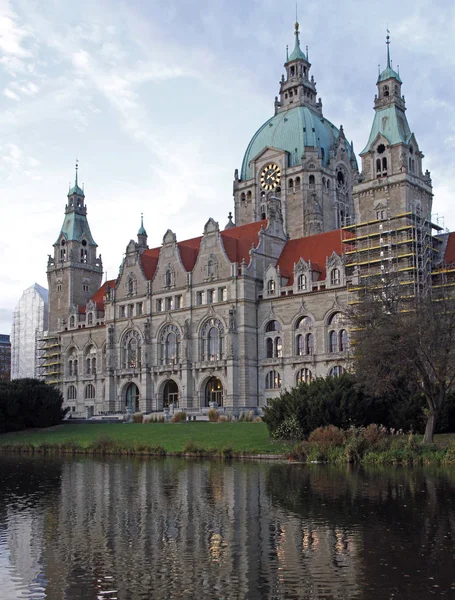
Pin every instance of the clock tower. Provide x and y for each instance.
(299, 157)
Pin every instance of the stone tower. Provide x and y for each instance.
(299, 157)
(74, 273)
(392, 180)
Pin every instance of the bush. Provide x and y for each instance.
(289, 429)
(26, 403)
(213, 415)
(329, 436)
(178, 417)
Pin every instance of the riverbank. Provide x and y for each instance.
(155, 439)
(221, 440)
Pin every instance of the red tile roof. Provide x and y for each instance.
(189, 250)
(237, 241)
(315, 248)
(149, 259)
(449, 256)
(98, 296)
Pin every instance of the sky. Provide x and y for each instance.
(158, 100)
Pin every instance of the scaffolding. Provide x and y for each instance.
(49, 358)
(394, 251)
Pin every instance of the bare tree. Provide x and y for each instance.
(407, 343)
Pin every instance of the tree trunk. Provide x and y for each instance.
(430, 427)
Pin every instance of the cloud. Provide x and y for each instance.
(10, 94)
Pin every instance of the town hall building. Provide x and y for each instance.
(234, 316)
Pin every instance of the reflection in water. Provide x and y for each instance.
(133, 529)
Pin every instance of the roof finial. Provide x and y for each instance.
(142, 219)
(287, 53)
(77, 167)
(388, 47)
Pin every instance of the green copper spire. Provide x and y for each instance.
(388, 72)
(76, 189)
(297, 52)
(141, 229)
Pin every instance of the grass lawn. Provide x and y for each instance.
(245, 437)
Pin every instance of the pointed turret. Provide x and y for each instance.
(297, 88)
(142, 234)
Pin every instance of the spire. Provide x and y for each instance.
(388, 72)
(388, 49)
(297, 52)
(76, 189)
(142, 230)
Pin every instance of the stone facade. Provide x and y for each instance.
(236, 315)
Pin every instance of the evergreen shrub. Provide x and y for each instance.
(26, 403)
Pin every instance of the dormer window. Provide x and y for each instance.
(270, 287)
(335, 277)
(302, 282)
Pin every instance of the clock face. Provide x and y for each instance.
(270, 176)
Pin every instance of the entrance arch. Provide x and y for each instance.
(170, 393)
(213, 391)
(132, 397)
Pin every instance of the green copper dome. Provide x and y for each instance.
(76, 190)
(389, 73)
(293, 130)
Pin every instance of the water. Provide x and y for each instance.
(132, 529)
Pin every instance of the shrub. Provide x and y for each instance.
(376, 436)
(449, 458)
(213, 415)
(28, 403)
(289, 429)
(138, 418)
(327, 436)
(178, 417)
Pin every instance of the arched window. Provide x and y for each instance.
(337, 338)
(263, 213)
(309, 343)
(249, 195)
(270, 287)
(297, 183)
(242, 197)
(336, 371)
(311, 181)
(303, 376)
(343, 340)
(272, 380)
(273, 326)
(170, 345)
(335, 277)
(90, 318)
(301, 282)
(333, 341)
(386, 90)
(83, 255)
(72, 363)
(72, 321)
(300, 345)
(89, 392)
(71, 394)
(278, 347)
(212, 340)
(384, 163)
(269, 347)
(63, 251)
(90, 361)
(291, 184)
(131, 350)
(378, 165)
